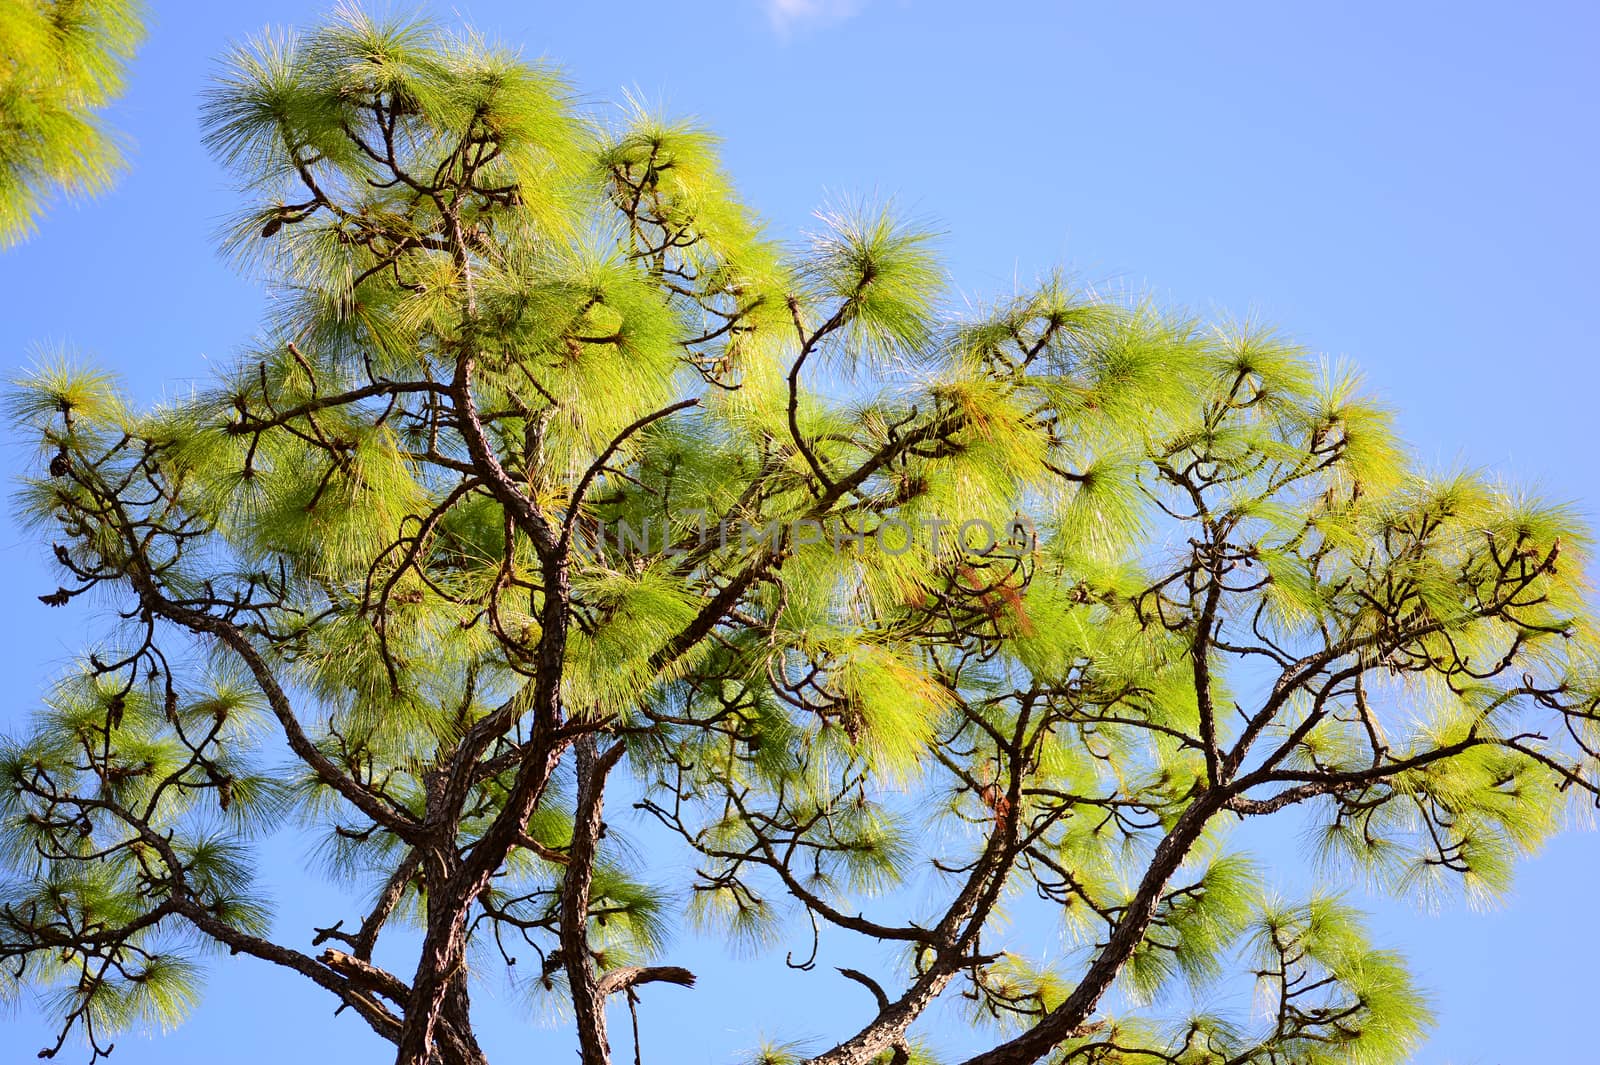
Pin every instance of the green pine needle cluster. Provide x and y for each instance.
(62, 61)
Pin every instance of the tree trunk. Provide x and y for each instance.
(588, 998)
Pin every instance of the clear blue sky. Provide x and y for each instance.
(1409, 185)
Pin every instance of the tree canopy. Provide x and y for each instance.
(560, 515)
(61, 61)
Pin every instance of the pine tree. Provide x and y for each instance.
(555, 487)
(61, 60)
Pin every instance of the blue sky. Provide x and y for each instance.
(1410, 186)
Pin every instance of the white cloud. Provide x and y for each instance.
(788, 15)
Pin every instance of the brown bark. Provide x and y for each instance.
(588, 997)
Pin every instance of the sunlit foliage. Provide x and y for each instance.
(556, 487)
(60, 62)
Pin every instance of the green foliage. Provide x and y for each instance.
(63, 61)
(542, 565)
